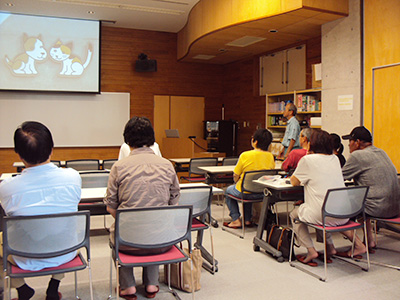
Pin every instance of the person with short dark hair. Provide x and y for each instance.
(257, 159)
(290, 163)
(42, 188)
(291, 138)
(142, 179)
(338, 148)
(371, 166)
(318, 171)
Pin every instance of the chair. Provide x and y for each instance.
(249, 186)
(339, 203)
(194, 165)
(83, 164)
(46, 236)
(149, 228)
(108, 163)
(230, 161)
(200, 199)
(94, 179)
(386, 223)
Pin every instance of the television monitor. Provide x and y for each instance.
(49, 54)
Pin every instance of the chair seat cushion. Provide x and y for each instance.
(76, 264)
(198, 225)
(348, 226)
(172, 255)
(391, 220)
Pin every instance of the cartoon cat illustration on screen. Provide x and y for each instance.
(25, 63)
(71, 65)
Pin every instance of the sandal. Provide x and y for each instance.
(152, 294)
(227, 224)
(321, 258)
(301, 259)
(128, 296)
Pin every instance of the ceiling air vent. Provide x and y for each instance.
(245, 41)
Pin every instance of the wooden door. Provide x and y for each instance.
(187, 115)
(386, 112)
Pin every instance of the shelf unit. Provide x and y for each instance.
(309, 100)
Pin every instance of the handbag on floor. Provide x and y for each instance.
(180, 272)
(279, 238)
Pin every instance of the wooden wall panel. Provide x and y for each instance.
(382, 47)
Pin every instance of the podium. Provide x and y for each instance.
(186, 148)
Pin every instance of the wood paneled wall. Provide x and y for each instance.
(382, 47)
(235, 85)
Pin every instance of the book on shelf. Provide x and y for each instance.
(307, 103)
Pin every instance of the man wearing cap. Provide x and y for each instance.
(371, 166)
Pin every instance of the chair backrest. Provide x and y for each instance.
(83, 164)
(248, 185)
(199, 197)
(46, 236)
(230, 161)
(94, 179)
(108, 163)
(195, 163)
(344, 202)
(152, 227)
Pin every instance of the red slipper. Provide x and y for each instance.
(321, 258)
(127, 297)
(301, 259)
(152, 294)
(346, 255)
(371, 250)
(226, 224)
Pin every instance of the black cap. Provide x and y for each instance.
(359, 133)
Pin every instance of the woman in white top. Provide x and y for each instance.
(125, 150)
(318, 171)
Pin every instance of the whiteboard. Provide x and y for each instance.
(75, 120)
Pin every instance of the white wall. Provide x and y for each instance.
(341, 72)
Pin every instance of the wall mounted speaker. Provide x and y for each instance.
(146, 65)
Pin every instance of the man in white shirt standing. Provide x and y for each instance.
(42, 188)
(292, 133)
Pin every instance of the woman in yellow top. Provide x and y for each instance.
(257, 159)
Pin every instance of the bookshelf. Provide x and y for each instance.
(308, 103)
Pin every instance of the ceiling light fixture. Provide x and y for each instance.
(203, 56)
(91, 12)
(120, 6)
(9, 4)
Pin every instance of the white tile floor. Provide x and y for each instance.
(245, 274)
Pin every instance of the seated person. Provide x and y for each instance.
(371, 166)
(338, 148)
(318, 171)
(139, 180)
(125, 150)
(42, 188)
(290, 163)
(257, 159)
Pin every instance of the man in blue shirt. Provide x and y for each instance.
(42, 188)
(291, 139)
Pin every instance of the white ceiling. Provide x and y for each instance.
(157, 15)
